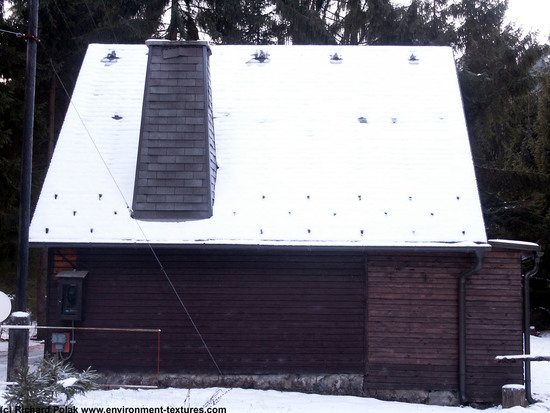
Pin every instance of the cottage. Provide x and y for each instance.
(292, 217)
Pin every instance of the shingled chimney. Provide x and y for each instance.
(176, 164)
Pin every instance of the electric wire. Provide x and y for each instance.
(64, 18)
(218, 394)
(90, 13)
(109, 21)
(183, 305)
(146, 239)
(18, 34)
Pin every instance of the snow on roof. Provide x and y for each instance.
(372, 151)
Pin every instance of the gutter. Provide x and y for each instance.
(462, 324)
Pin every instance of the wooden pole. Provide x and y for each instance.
(19, 339)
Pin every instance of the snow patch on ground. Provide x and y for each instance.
(270, 401)
(540, 371)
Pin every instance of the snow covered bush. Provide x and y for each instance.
(54, 382)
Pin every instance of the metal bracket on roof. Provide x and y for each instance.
(413, 60)
(110, 59)
(260, 56)
(336, 59)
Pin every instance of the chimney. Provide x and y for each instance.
(176, 164)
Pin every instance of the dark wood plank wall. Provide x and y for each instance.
(258, 311)
(412, 320)
(275, 311)
(494, 312)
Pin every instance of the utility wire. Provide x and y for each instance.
(64, 18)
(109, 21)
(23, 35)
(182, 304)
(137, 223)
(218, 394)
(90, 13)
(10, 32)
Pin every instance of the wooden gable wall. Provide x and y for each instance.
(389, 316)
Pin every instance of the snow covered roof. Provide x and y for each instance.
(369, 150)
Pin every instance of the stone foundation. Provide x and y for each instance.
(437, 398)
(335, 384)
(332, 384)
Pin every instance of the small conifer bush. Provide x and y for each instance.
(54, 382)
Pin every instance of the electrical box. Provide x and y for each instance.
(61, 343)
(70, 294)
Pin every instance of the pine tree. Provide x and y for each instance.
(541, 144)
(306, 21)
(54, 381)
(12, 75)
(238, 21)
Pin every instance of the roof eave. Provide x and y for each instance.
(416, 247)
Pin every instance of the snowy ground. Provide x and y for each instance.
(258, 401)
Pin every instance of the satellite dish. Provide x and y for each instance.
(5, 306)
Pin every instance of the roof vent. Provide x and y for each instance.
(336, 59)
(362, 119)
(413, 60)
(260, 57)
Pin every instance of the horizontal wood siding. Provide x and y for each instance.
(268, 311)
(412, 320)
(259, 311)
(412, 341)
(494, 313)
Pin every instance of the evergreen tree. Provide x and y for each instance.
(239, 21)
(12, 78)
(500, 91)
(55, 381)
(65, 30)
(306, 21)
(540, 145)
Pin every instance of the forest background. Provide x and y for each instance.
(504, 76)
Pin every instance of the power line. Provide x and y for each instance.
(109, 21)
(125, 201)
(90, 14)
(64, 18)
(195, 327)
(23, 35)
(218, 394)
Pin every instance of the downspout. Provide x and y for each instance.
(527, 325)
(462, 324)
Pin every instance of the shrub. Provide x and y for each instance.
(54, 382)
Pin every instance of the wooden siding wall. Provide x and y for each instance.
(274, 311)
(412, 320)
(259, 312)
(494, 311)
